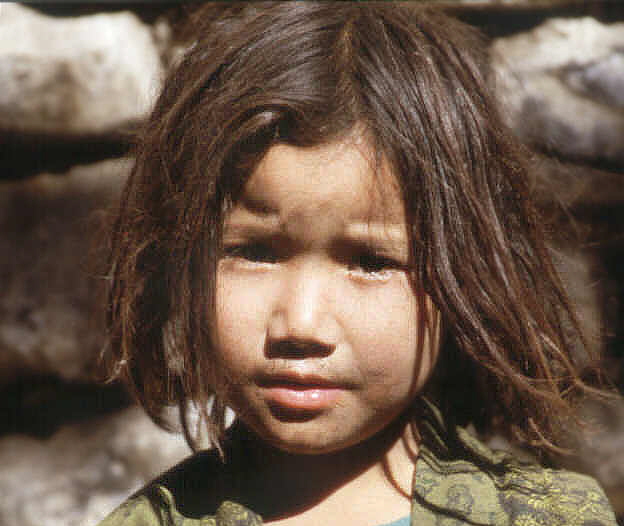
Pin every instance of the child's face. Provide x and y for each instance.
(316, 318)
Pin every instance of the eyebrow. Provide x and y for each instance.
(386, 237)
(258, 206)
(249, 220)
(392, 236)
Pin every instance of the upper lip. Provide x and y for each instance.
(293, 378)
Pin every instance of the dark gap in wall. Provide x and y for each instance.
(39, 405)
(27, 155)
(606, 242)
(499, 21)
(494, 20)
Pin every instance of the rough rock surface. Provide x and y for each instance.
(47, 226)
(84, 471)
(70, 81)
(562, 85)
(74, 76)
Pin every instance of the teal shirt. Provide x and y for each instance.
(405, 521)
(458, 481)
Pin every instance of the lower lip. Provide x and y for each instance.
(302, 398)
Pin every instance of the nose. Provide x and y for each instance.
(303, 323)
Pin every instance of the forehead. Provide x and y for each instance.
(340, 182)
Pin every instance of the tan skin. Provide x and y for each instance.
(317, 338)
(366, 484)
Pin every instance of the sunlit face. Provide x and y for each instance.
(316, 318)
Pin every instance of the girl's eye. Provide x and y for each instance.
(253, 252)
(373, 264)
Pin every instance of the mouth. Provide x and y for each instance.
(293, 392)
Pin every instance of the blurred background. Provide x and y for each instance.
(77, 79)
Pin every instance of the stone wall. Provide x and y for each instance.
(76, 80)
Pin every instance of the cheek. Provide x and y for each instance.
(385, 338)
(241, 317)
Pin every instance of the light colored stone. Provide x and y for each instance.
(561, 86)
(45, 305)
(84, 471)
(74, 76)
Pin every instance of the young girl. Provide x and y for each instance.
(327, 230)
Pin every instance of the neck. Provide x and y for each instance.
(281, 484)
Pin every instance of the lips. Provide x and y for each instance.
(296, 392)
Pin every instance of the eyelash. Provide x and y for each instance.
(373, 264)
(362, 263)
(254, 252)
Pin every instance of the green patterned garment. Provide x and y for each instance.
(458, 481)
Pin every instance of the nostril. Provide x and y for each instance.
(297, 349)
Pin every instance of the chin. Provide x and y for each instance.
(301, 438)
(299, 442)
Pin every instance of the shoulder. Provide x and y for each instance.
(153, 506)
(547, 496)
(509, 493)
(195, 492)
(459, 477)
(167, 500)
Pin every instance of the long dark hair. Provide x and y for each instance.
(305, 74)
